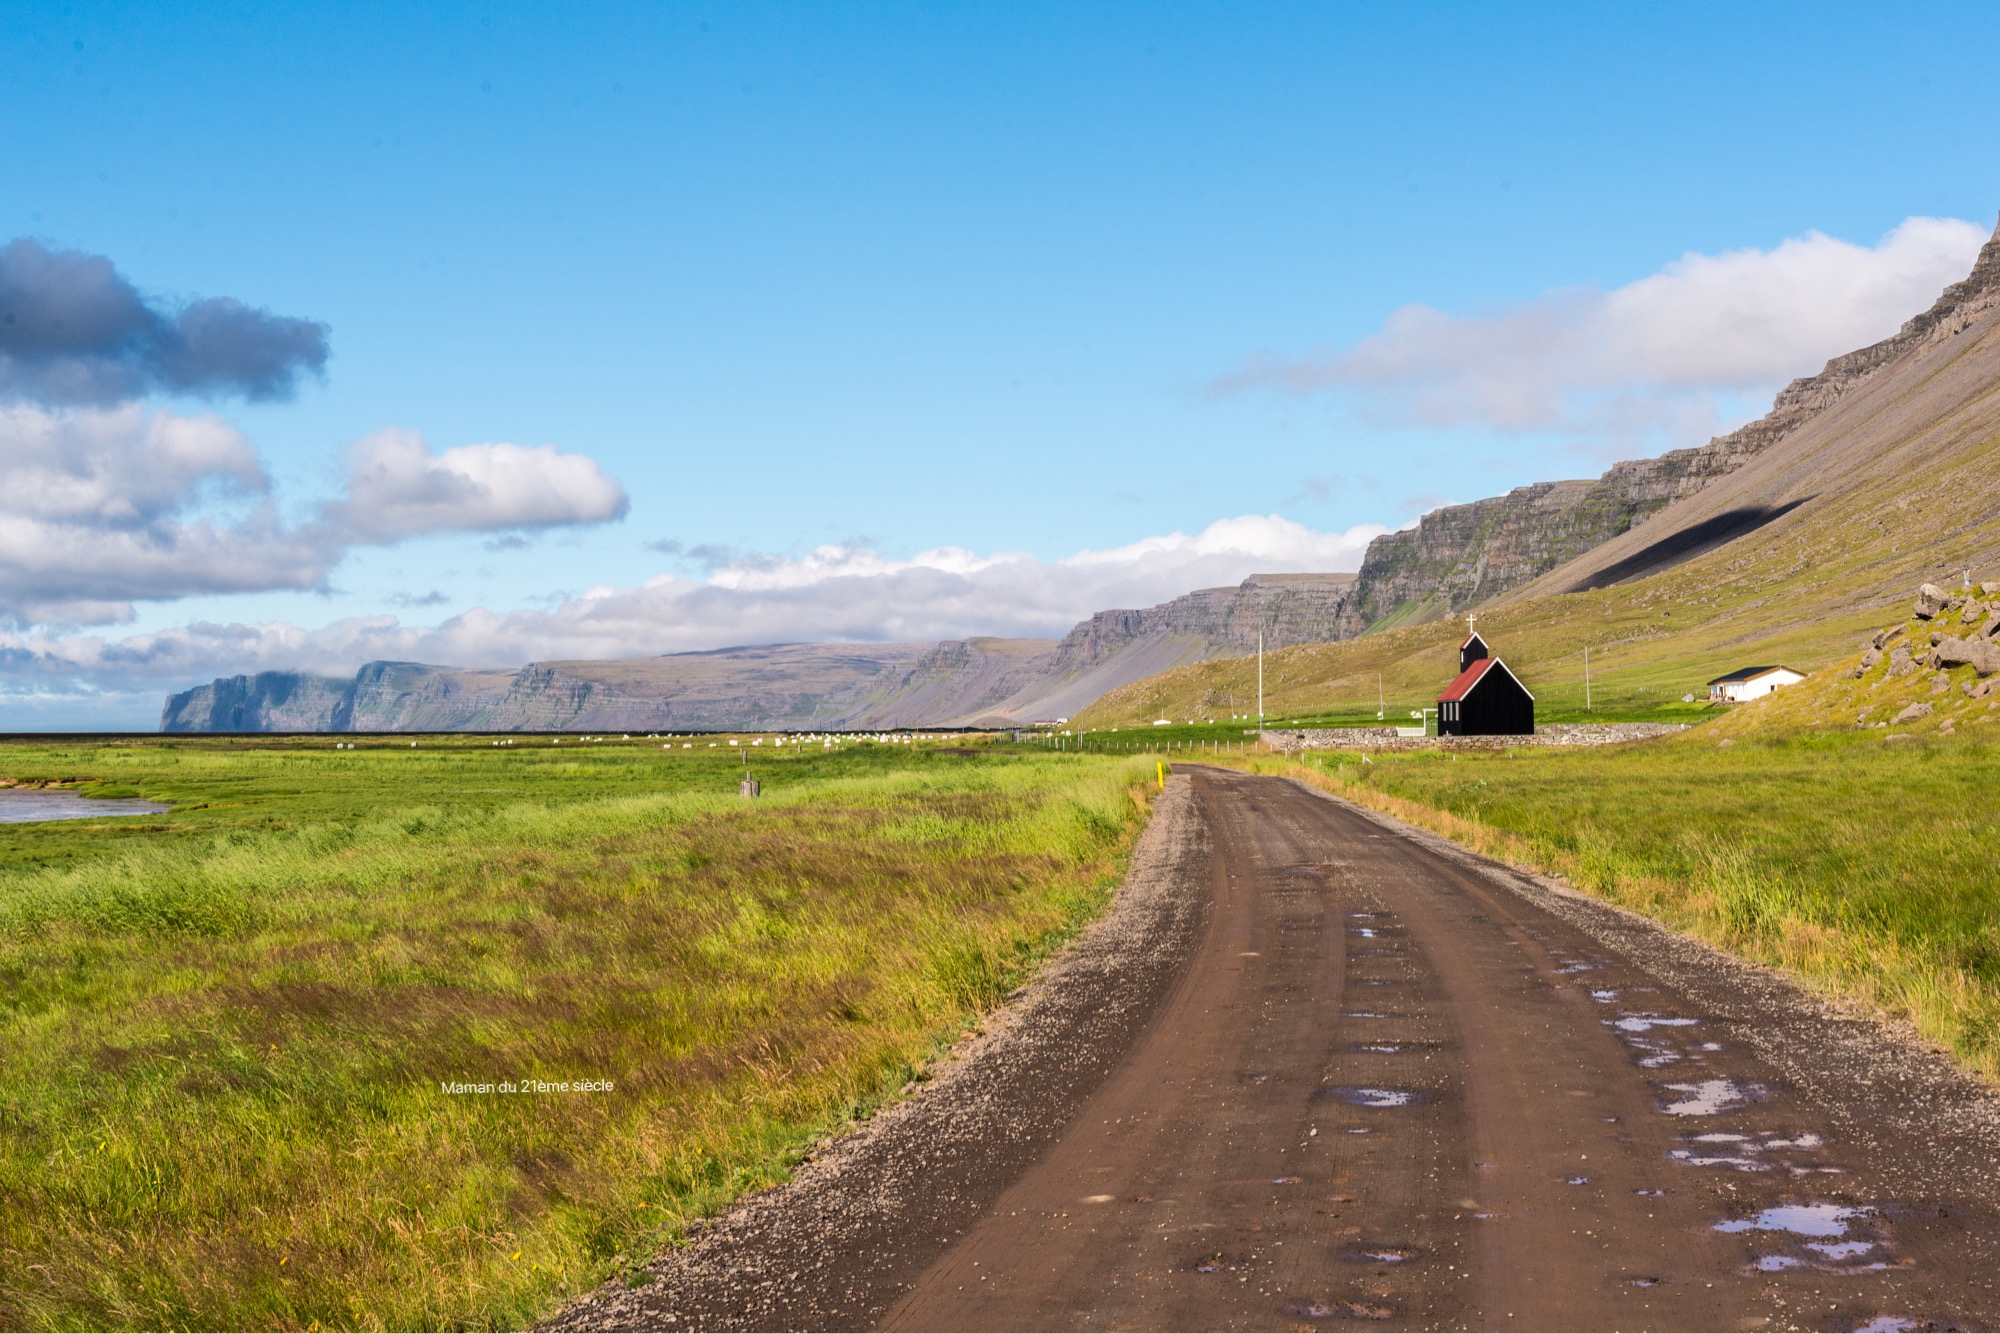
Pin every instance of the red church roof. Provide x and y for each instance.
(1471, 676)
(1466, 680)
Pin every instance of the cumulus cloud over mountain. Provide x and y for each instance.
(833, 593)
(1645, 365)
(73, 330)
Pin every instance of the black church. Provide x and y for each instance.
(1486, 699)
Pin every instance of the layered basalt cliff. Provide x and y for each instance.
(1462, 555)
(1283, 608)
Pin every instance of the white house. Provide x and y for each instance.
(1750, 683)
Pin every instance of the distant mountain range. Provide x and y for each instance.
(981, 681)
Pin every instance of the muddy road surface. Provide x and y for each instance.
(1385, 1084)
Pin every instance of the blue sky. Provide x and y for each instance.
(888, 279)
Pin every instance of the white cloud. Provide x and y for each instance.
(397, 488)
(1658, 361)
(834, 593)
(102, 508)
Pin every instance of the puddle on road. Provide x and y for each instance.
(1604, 997)
(1888, 1324)
(1652, 1053)
(1710, 1097)
(1576, 1181)
(1361, 1096)
(1831, 1238)
(1284, 1181)
(1365, 932)
(1761, 1151)
(1368, 1014)
(1313, 1309)
(1650, 1037)
(1646, 1023)
(1805, 1220)
(1381, 1255)
(1380, 1048)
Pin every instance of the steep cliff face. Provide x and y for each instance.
(790, 686)
(266, 702)
(1462, 555)
(1285, 608)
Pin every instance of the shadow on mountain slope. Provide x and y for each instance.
(1694, 540)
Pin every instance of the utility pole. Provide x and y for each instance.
(1260, 680)
(1381, 700)
(1586, 678)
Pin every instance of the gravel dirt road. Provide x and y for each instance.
(1319, 1070)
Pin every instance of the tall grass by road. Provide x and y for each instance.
(255, 1056)
(1865, 868)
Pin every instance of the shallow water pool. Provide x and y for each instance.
(23, 805)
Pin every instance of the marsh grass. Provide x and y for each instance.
(1866, 870)
(222, 1047)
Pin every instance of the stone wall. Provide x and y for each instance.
(1292, 740)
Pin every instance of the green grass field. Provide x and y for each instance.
(227, 1034)
(1865, 869)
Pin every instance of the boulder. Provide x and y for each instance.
(1868, 660)
(1912, 712)
(1973, 611)
(1992, 626)
(1900, 661)
(1982, 654)
(1884, 638)
(1930, 601)
(1940, 683)
(1989, 588)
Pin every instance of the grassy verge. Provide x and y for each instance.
(228, 1035)
(1863, 869)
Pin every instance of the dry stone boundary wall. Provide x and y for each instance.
(1293, 740)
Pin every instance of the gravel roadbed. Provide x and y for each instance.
(1892, 1092)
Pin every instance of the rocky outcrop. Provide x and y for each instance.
(1462, 555)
